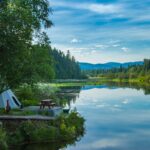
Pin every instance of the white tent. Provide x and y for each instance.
(11, 98)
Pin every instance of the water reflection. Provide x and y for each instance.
(46, 146)
(138, 86)
(67, 95)
(117, 117)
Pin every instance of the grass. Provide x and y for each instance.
(92, 81)
(132, 80)
(31, 102)
(25, 113)
(17, 112)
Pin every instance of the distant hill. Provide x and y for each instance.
(109, 65)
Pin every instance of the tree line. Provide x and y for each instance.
(141, 72)
(26, 55)
(65, 66)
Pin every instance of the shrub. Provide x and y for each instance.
(46, 90)
(25, 92)
(76, 121)
(64, 129)
(30, 102)
(3, 139)
(33, 132)
(71, 126)
(30, 95)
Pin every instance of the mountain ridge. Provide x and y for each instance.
(109, 65)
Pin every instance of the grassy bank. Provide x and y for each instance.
(71, 83)
(141, 80)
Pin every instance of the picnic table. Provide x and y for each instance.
(47, 102)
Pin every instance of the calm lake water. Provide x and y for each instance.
(117, 118)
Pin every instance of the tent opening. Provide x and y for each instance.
(15, 101)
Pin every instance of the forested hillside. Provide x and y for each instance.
(65, 66)
(142, 72)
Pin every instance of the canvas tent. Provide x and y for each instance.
(11, 98)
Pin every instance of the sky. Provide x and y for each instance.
(99, 31)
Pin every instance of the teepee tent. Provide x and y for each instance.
(11, 98)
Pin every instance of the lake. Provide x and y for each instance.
(117, 118)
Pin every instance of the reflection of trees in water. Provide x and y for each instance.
(46, 146)
(138, 86)
(68, 95)
(49, 146)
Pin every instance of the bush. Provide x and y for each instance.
(3, 139)
(64, 129)
(30, 102)
(77, 121)
(31, 95)
(46, 90)
(32, 132)
(26, 92)
(70, 127)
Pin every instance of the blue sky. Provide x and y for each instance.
(99, 31)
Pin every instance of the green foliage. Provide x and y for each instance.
(26, 49)
(39, 67)
(70, 126)
(139, 72)
(45, 113)
(41, 132)
(26, 113)
(2, 111)
(25, 92)
(3, 139)
(77, 121)
(63, 129)
(21, 23)
(17, 112)
(32, 95)
(46, 90)
(30, 102)
(65, 66)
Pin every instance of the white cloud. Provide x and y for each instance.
(116, 106)
(114, 41)
(111, 38)
(104, 9)
(94, 7)
(93, 51)
(126, 101)
(102, 46)
(116, 45)
(125, 49)
(141, 18)
(74, 40)
(109, 44)
(105, 143)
